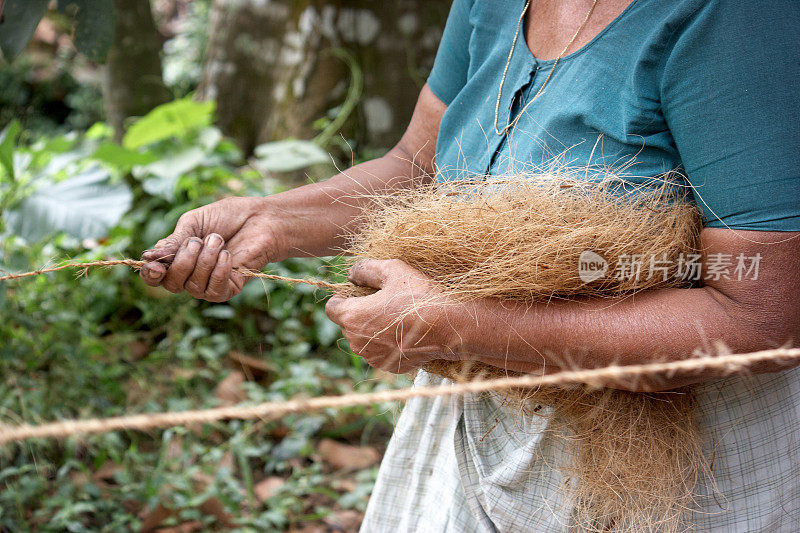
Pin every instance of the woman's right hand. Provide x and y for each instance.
(308, 220)
(209, 242)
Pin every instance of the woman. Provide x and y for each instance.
(708, 87)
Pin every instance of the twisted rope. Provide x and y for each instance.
(136, 265)
(722, 364)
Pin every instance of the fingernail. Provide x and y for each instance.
(152, 274)
(214, 240)
(194, 246)
(224, 255)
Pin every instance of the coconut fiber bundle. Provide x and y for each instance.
(633, 459)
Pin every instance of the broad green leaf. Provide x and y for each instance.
(166, 172)
(120, 157)
(285, 156)
(8, 140)
(161, 187)
(99, 130)
(21, 19)
(94, 26)
(59, 164)
(59, 145)
(84, 206)
(173, 119)
(176, 165)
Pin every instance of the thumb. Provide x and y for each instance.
(370, 272)
(165, 249)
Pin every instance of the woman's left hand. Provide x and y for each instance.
(403, 325)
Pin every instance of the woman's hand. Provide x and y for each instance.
(402, 326)
(209, 242)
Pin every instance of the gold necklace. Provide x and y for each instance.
(541, 89)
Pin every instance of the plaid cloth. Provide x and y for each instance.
(470, 464)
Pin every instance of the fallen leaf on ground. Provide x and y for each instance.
(229, 391)
(214, 507)
(132, 506)
(201, 481)
(255, 365)
(79, 478)
(106, 472)
(347, 484)
(153, 518)
(138, 349)
(267, 488)
(346, 457)
(348, 521)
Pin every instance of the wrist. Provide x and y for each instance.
(481, 335)
(275, 223)
(458, 326)
(308, 221)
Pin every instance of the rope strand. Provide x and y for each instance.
(724, 364)
(136, 265)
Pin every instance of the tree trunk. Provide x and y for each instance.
(275, 67)
(395, 43)
(132, 84)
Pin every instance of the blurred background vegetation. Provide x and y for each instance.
(117, 116)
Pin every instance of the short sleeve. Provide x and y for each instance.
(450, 68)
(731, 99)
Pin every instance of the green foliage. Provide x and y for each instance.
(8, 138)
(45, 96)
(105, 344)
(52, 186)
(122, 158)
(331, 127)
(173, 119)
(86, 205)
(289, 155)
(182, 58)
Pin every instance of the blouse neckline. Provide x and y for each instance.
(579, 51)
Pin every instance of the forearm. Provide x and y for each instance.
(315, 219)
(748, 314)
(593, 332)
(411, 321)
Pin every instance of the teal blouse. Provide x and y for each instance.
(709, 88)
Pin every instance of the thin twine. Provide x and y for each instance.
(541, 89)
(136, 265)
(726, 364)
